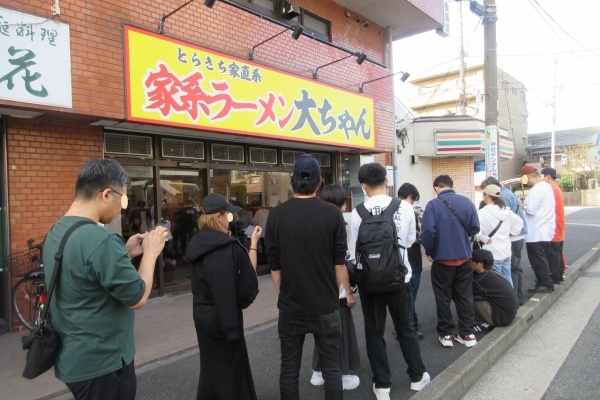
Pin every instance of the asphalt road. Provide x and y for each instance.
(176, 377)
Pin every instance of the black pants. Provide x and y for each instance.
(117, 385)
(538, 258)
(374, 308)
(555, 261)
(453, 284)
(327, 331)
(516, 270)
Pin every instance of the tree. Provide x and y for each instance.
(579, 168)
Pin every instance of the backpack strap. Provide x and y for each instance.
(362, 211)
(389, 210)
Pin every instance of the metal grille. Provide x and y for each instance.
(591, 275)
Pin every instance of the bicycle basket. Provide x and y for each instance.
(22, 262)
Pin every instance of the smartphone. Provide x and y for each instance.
(249, 230)
(167, 225)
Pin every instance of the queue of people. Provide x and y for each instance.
(306, 244)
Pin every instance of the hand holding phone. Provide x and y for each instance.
(249, 230)
(167, 225)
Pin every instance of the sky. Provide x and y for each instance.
(531, 35)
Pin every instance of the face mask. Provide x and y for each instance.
(229, 217)
(124, 202)
(524, 179)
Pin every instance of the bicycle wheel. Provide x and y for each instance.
(24, 299)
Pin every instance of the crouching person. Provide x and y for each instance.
(494, 298)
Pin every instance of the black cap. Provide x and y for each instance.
(549, 171)
(215, 203)
(307, 168)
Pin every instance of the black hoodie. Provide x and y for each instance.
(223, 276)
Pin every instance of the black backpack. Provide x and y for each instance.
(379, 263)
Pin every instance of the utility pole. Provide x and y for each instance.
(490, 67)
(462, 96)
(553, 136)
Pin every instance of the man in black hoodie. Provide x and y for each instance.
(306, 247)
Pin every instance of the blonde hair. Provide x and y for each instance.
(211, 221)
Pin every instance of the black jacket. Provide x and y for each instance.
(223, 276)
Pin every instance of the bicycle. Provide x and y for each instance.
(29, 293)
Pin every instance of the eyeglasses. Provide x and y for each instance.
(124, 198)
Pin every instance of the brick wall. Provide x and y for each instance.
(44, 157)
(460, 170)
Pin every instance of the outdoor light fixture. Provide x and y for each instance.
(161, 27)
(361, 58)
(404, 77)
(298, 29)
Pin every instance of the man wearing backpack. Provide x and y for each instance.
(384, 278)
(448, 222)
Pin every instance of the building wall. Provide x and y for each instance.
(97, 52)
(460, 170)
(44, 157)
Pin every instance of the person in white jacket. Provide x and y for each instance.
(495, 216)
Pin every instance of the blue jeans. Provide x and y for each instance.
(327, 331)
(503, 268)
(375, 308)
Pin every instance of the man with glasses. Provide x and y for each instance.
(97, 287)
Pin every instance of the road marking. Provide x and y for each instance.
(577, 223)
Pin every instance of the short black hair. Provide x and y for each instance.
(334, 194)
(483, 256)
(99, 174)
(305, 187)
(408, 189)
(490, 180)
(443, 181)
(372, 175)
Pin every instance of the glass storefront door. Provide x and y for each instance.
(181, 193)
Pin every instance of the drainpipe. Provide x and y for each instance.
(395, 149)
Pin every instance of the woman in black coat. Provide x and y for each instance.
(223, 283)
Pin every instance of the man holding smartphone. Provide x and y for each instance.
(98, 288)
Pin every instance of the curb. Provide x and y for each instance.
(455, 381)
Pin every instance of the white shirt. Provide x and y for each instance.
(489, 217)
(404, 218)
(540, 214)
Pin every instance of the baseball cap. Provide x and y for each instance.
(214, 203)
(307, 168)
(528, 169)
(549, 171)
(492, 190)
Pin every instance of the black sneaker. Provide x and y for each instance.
(541, 289)
(420, 335)
(480, 328)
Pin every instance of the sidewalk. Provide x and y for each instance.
(456, 380)
(163, 328)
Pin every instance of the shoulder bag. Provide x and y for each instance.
(43, 342)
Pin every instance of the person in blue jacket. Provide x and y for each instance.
(448, 222)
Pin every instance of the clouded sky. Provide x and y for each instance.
(531, 34)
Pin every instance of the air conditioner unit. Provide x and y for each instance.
(289, 10)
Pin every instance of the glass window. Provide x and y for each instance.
(268, 4)
(318, 25)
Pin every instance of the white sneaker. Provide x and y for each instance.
(469, 341)
(417, 386)
(446, 341)
(350, 382)
(382, 393)
(317, 379)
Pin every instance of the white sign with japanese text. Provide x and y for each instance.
(491, 151)
(35, 60)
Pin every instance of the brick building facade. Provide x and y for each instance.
(43, 146)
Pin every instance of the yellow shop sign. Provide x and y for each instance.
(174, 83)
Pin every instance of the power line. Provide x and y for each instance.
(558, 25)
